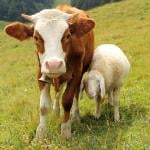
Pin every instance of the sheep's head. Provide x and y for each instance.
(94, 85)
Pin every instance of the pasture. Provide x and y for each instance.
(126, 24)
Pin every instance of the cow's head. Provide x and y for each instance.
(52, 30)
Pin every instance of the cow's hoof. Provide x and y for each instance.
(66, 130)
(41, 132)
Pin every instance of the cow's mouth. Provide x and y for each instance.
(47, 77)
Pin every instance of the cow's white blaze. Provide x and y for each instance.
(51, 25)
(52, 32)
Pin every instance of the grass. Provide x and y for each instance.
(126, 24)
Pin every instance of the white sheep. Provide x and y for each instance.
(108, 70)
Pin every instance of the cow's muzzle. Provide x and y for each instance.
(54, 68)
(53, 64)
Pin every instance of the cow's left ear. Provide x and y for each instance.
(19, 31)
(82, 26)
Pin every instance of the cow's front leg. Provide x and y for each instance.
(44, 109)
(67, 101)
(69, 93)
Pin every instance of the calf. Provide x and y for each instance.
(65, 44)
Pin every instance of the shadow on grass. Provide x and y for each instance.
(129, 115)
(103, 133)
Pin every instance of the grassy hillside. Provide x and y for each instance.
(126, 24)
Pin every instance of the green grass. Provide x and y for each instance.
(126, 24)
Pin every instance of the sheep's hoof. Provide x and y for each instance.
(66, 130)
(41, 132)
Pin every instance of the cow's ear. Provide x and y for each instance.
(19, 31)
(82, 26)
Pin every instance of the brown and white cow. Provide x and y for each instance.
(65, 44)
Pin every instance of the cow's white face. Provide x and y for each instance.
(49, 28)
(52, 58)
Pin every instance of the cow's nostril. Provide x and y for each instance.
(54, 64)
(60, 63)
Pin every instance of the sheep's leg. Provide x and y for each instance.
(110, 98)
(97, 109)
(116, 104)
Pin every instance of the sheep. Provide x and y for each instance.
(108, 70)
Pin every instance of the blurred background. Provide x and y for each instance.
(10, 10)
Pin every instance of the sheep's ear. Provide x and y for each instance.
(82, 87)
(102, 87)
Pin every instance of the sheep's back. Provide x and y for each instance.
(112, 63)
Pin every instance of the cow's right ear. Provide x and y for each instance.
(81, 26)
(19, 31)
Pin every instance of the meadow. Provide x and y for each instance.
(126, 24)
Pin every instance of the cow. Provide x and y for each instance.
(65, 44)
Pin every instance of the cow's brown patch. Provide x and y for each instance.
(66, 41)
(78, 43)
(39, 42)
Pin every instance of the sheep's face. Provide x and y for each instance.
(92, 87)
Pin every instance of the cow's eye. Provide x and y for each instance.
(36, 38)
(68, 36)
